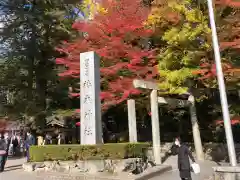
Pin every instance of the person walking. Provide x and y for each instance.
(8, 142)
(183, 160)
(15, 145)
(30, 141)
(3, 153)
(21, 146)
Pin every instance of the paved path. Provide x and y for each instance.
(13, 171)
(206, 170)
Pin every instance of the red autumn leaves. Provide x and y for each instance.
(121, 40)
(115, 37)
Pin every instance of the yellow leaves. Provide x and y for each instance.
(194, 15)
(173, 10)
(102, 10)
(153, 18)
(173, 81)
(178, 7)
(186, 60)
(170, 89)
(176, 77)
(190, 14)
(187, 33)
(159, 13)
(171, 36)
(91, 7)
(206, 46)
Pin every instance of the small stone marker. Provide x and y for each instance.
(91, 123)
(132, 124)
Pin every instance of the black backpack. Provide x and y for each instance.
(174, 150)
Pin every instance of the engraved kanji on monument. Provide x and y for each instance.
(91, 123)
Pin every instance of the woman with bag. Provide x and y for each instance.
(3, 153)
(183, 160)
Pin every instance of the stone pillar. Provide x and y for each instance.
(155, 127)
(230, 176)
(91, 123)
(226, 172)
(132, 124)
(195, 129)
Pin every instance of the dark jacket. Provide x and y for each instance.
(183, 158)
(30, 140)
(3, 145)
(174, 150)
(15, 142)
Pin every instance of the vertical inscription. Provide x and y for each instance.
(86, 67)
(88, 129)
(90, 101)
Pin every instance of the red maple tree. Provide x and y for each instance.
(228, 33)
(117, 36)
(230, 3)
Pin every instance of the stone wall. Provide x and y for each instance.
(226, 173)
(213, 151)
(88, 166)
(127, 169)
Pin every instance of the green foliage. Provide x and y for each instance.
(175, 79)
(87, 152)
(184, 45)
(28, 39)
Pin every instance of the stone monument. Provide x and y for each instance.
(132, 122)
(91, 123)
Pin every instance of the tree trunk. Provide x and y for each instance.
(41, 87)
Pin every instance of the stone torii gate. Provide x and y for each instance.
(155, 101)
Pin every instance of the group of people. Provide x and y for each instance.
(11, 145)
(48, 139)
(13, 142)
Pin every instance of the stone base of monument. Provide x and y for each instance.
(128, 169)
(227, 173)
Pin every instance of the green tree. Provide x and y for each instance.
(184, 44)
(29, 36)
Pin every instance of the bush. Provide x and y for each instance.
(87, 152)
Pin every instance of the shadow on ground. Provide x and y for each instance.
(12, 168)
